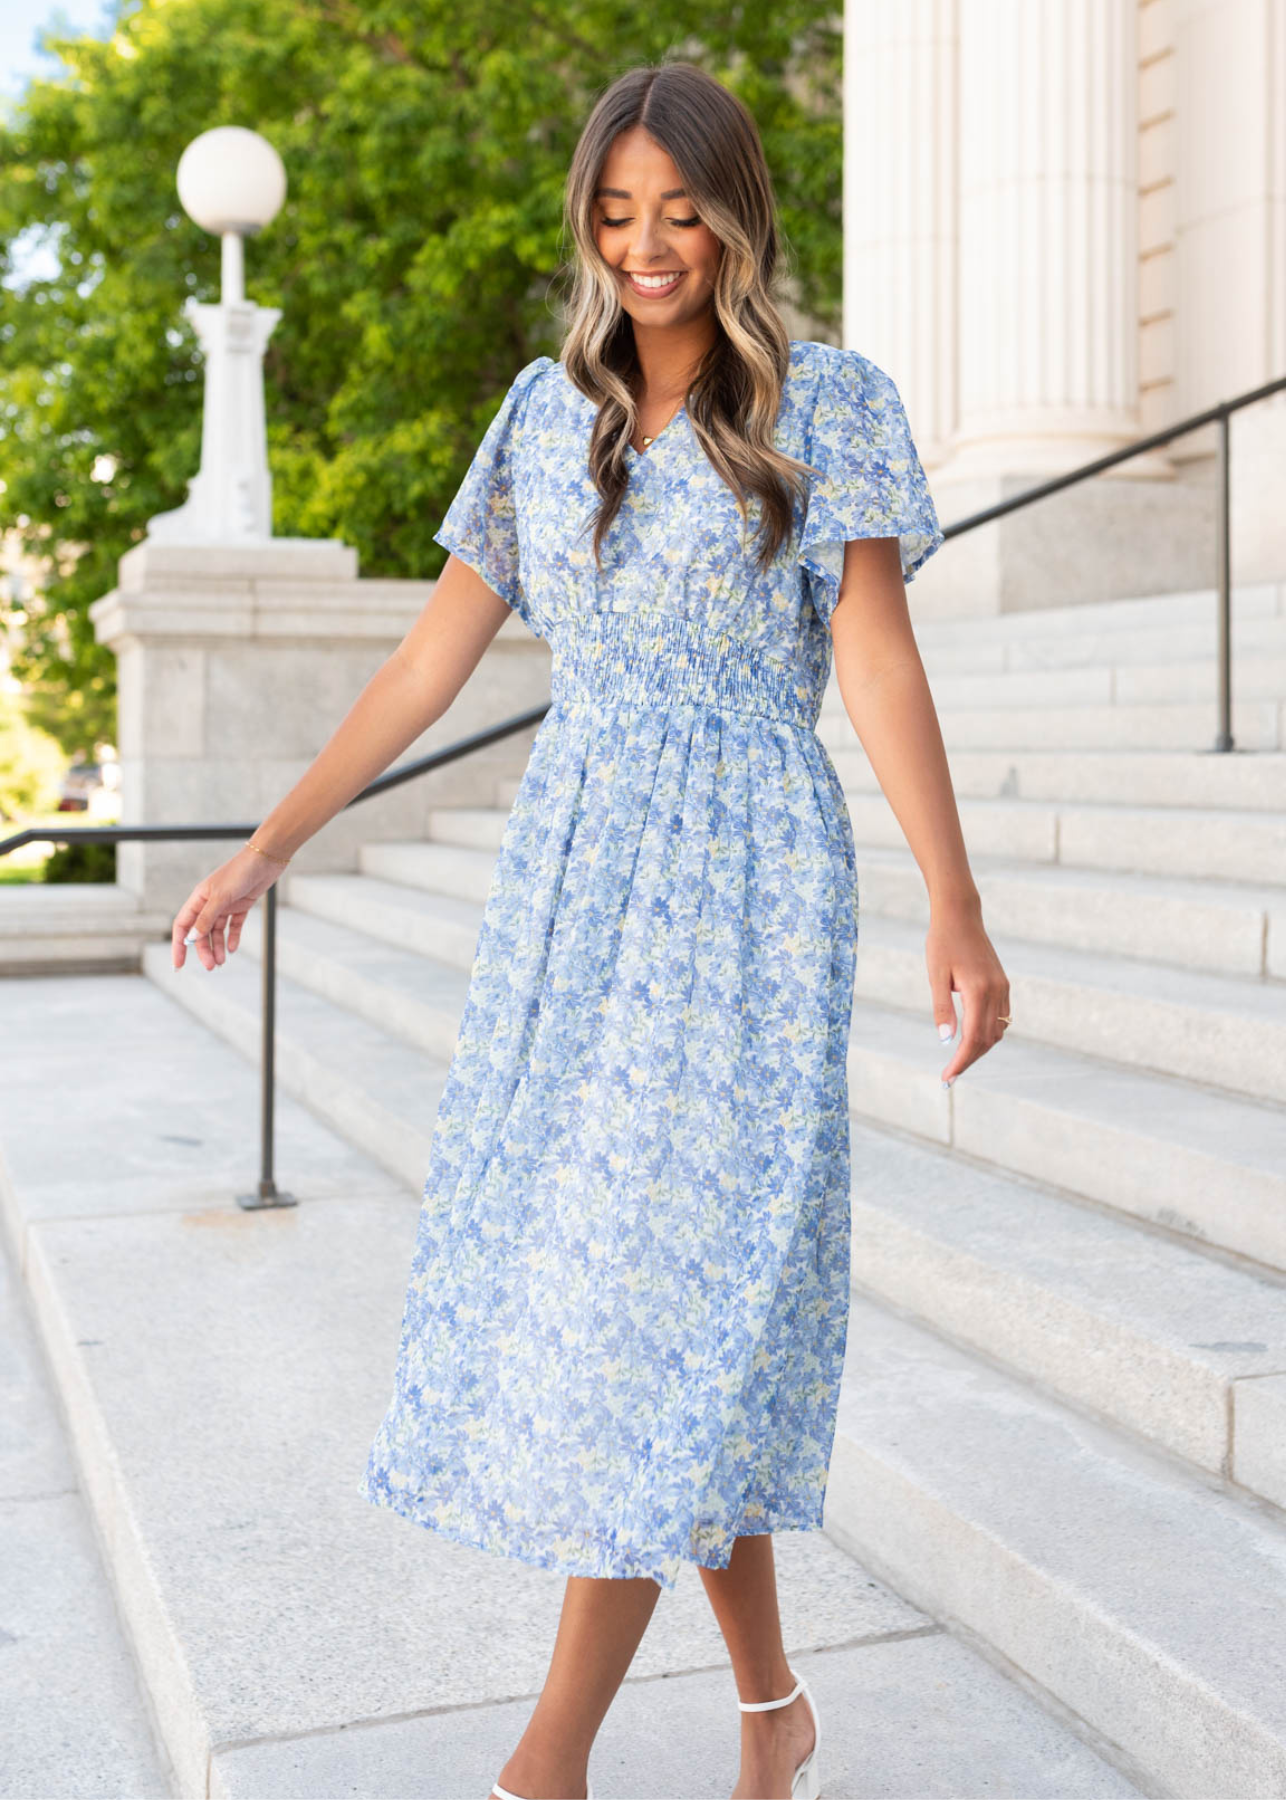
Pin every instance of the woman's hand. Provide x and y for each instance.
(960, 956)
(219, 904)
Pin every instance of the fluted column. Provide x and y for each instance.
(899, 203)
(1232, 252)
(991, 244)
(1048, 222)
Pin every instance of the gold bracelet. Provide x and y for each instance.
(283, 860)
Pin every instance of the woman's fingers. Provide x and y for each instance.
(236, 920)
(985, 999)
(211, 919)
(200, 926)
(962, 961)
(184, 921)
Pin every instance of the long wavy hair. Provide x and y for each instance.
(735, 395)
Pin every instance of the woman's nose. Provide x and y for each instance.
(649, 241)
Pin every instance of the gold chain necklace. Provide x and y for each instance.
(656, 434)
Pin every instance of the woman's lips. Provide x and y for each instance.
(654, 293)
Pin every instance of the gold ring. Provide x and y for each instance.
(1004, 1018)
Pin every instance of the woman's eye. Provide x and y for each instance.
(619, 222)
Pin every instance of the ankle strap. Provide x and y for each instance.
(767, 1705)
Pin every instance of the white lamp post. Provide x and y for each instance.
(230, 181)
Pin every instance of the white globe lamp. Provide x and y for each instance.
(231, 183)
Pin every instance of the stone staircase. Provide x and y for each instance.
(1063, 1424)
(1063, 1429)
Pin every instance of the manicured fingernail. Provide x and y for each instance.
(946, 1031)
(948, 1081)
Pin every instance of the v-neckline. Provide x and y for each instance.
(670, 423)
(637, 456)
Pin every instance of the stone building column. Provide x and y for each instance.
(900, 225)
(991, 268)
(1230, 245)
(1048, 186)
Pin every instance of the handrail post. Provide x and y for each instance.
(267, 1194)
(1223, 579)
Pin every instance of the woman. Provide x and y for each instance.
(625, 1324)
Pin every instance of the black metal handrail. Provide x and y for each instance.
(267, 1194)
(1219, 414)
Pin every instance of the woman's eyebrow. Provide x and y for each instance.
(625, 194)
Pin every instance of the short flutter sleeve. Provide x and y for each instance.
(871, 482)
(481, 523)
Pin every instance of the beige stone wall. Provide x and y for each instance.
(236, 665)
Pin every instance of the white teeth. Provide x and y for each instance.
(655, 281)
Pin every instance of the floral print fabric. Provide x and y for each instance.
(625, 1321)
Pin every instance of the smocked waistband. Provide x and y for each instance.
(660, 659)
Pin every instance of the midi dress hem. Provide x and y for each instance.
(607, 1561)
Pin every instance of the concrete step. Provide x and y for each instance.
(1221, 1030)
(905, 1716)
(416, 999)
(1213, 882)
(1237, 779)
(1235, 928)
(1257, 725)
(1141, 1595)
(315, 1648)
(437, 925)
(462, 871)
(1189, 843)
(473, 827)
(380, 1092)
(75, 1716)
(1124, 1323)
(1258, 674)
(1240, 780)
(73, 927)
(1227, 927)
(1192, 643)
(1253, 605)
(1205, 1166)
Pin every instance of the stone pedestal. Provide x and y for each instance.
(235, 665)
(1109, 538)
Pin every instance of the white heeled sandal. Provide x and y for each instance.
(805, 1783)
(504, 1793)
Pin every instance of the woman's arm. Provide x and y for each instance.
(886, 694)
(410, 691)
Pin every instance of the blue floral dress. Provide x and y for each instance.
(628, 1303)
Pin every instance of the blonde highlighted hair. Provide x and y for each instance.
(734, 397)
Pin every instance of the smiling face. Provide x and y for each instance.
(664, 255)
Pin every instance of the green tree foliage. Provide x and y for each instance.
(31, 763)
(426, 147)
